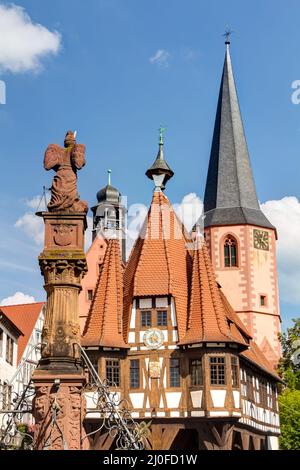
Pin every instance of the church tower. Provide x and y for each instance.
(109, 215)
(241, 240)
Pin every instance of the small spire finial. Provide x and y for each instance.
(227, 34)
(109, 176)
(162, 131)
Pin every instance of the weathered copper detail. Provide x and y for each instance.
(65, 161)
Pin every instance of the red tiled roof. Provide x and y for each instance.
(24, 317)
(209, 317)
(159, 262)
(256, 357)
(104, 322)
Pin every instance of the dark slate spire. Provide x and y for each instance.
(230, 195)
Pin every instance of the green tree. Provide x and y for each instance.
(289, 398)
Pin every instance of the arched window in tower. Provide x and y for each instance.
(230, 252)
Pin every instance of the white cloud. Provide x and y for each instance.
(33, 226)
(284, 214)
(161, 58)
(37, 203)
(189, 210)
(30, 223)
(23, 43)
(17, 299)
(189, 54)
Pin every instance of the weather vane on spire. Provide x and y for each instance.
(162, 131)
(109, 177)
(227, 34)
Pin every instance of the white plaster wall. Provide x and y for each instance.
(133, 315)
(236, 398)
(161, 302)
(145, 303)
(7, 370)
(131, 337)
(273, 443)
(196, 396)
(219, 413)
(218, 398)
(173, 313)
(137, 399)
(173, 399)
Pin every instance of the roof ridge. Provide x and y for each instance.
(22, 305)
(229, 76)
(104, 324)
(166, 247)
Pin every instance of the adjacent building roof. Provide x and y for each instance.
(255, 356)
(104, 325)
(24, 316)
(230, 195)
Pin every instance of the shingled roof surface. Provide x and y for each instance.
(230, 195)
(104, 322)
(208, 318)
(24, 316)
(159, 263)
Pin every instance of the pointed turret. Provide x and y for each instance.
(230, 194)
(209, 320)
(159, 261)
(104, 323)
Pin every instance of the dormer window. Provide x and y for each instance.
(162, 318)
(146, 320)
(230, 252)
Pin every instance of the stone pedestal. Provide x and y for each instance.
(59, 409)
(63, 266)
(59, 404)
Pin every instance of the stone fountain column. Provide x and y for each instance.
(59, 403)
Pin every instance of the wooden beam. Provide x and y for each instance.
(156, 437)
(169, 436)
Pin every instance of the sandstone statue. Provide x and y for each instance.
(65, 161)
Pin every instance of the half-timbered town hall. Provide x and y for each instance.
(187, 329)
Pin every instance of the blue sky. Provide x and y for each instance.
(102, 82)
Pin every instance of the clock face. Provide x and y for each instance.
(261, 239)
(153, 338)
